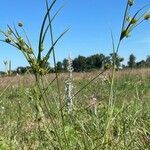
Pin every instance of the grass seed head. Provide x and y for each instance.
(130, 2)
(20, 24)
(107, 66)
(125, 33)
(133, 21)
(147, 16)
(8, 40)
(41, 47)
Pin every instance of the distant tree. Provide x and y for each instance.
(59, 66)
(132, 61)
(21, 70)
(95, 61)
(98, 60)
(89, 63)
(79, 64)
(148, 61)
(141, 64)
(65, 64)
(107, 61)
(2, 73)
(115, 58)
(124, 66)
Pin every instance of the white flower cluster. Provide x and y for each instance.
(69, 87)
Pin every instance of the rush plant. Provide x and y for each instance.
(38, 63)
(130, 22)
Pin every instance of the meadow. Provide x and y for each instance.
(104, 109)
(125, 125)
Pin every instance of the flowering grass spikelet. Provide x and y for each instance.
(133, 21)
(147, 16)
(130, 2)
(125, 33)
(7, 40)
(20, 24)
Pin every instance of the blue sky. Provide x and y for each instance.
(89, 22)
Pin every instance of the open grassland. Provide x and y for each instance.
(107, 109)
(123, 126)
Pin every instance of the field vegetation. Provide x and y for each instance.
(104, 109)
(127, 128)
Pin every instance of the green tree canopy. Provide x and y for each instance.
(132, 61)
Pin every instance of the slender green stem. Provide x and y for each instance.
(38, 80)
(54, 60)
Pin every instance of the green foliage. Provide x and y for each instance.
(128, 128)
(131, 62)
(79, 64)
(59, 66)
(118, 60)
(92, 62)
(3, 144)
(65, 64)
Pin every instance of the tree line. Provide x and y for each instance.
(91, 63)
(100, 61)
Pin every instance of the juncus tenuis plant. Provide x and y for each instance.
(39, 62)
(130, 22)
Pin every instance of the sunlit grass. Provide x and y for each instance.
(34, 114)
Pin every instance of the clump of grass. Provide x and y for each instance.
(129, 24)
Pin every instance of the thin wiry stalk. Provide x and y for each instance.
(82, 88)
(56, 71)
(47, 87)
(113, 71)
(16, 31)
(139, 21)
(125, 16)
(42, 30)
(9, 44)
(115, 52)
(45, 99)
(27, 37)
(54, 60)
(1, 94)
(12, 31)
(52, 46)
(46, 30)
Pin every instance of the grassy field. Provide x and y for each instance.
(125, 125)
(74, 111)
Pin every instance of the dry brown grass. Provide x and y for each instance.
(27, 80)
